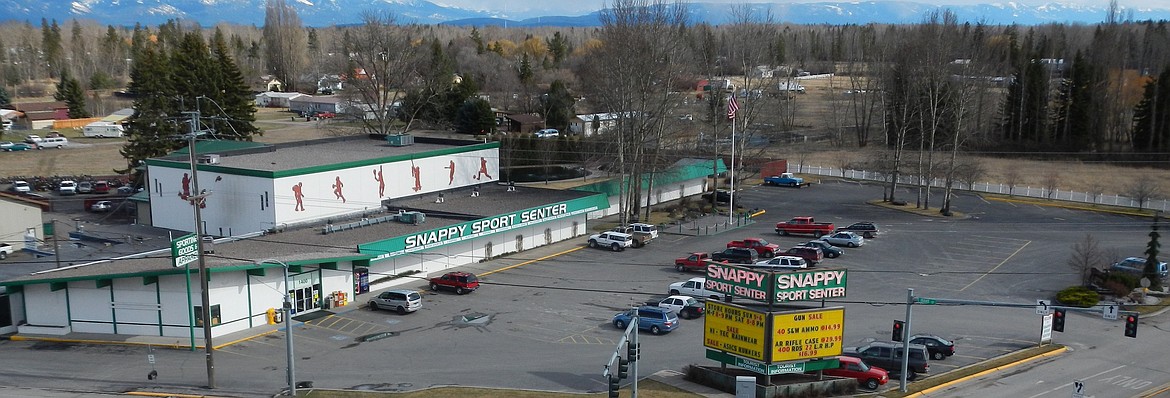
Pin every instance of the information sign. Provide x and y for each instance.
(775, 368)
(807, 334)
(185, 250)
(736, 330)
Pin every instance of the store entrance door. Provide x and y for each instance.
(306, 292)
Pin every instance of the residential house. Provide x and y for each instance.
(524, 122)
(40, 115)
(583, 124)
(309, 104)
(272, 99)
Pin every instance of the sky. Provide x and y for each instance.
(579, 7)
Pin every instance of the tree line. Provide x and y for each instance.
(930, 90)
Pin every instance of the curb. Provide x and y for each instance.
(1064, 206)
(924, 392)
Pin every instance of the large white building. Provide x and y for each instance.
(346, 216)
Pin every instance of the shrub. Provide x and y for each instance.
(1078, 296)
(1130, 281)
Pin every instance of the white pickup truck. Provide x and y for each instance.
(615, 241)
(5, 250)
(694, 287)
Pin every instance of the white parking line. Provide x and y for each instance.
(1065, 385)
(1001, 263)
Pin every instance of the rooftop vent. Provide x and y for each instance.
(400, 139)
(208, 159)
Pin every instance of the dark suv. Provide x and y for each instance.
(459, 282)
(888, 356)
(811, 254)
(866, 229)
(737, 255)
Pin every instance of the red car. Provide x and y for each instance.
(867, 376)
(325, 115)
(459, 282)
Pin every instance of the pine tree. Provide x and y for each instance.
(69, 90)
(5, 99)
(234, 97)
(1151, 271)
(476, 117)
(1151, 118)
(151, 131)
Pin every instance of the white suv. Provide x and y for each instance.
(21, 187)
(67, 187)
(782, 263)
(616, 241)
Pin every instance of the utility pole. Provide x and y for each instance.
(906, 338)
(56, 244)
(196, 200)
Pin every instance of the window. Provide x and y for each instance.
(215, 315)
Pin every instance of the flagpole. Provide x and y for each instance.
(731, 193)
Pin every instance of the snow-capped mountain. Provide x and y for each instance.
(343, 12)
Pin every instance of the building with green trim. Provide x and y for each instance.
(402, 212)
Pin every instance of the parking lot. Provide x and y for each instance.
(547, 324)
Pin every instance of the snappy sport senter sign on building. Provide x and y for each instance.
(787, 286)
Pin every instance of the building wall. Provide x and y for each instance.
(237, 205)
(340, 192)
(18, 219)
(46, 308)
(661, 194)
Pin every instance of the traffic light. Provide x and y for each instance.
(899, 328)
(1058, 319)
(633, 351)
(623, 369)
(614, 385)
(1131, 325)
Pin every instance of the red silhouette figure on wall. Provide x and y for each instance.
(381, 182)
(337, 189)
(186, 193)
(298, 196)
(451, 177)
(415, 171)
(483, 170)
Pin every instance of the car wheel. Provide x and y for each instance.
(637, 243)
(619, 324)
(818, 234)
(938, 355)
(401, 310)
(4, 255)
(835, 255)
(868, 235)
(615, 247)
(655, 330)
(872, 384)
(434, 286)
(373, 306)
(912, 375)
(792, 184)
(673, 292)
(768, 254)
(783, 233)
(679, 267)
(851, 244)
(592, 243)
(460, 291)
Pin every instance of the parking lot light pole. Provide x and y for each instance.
(288, 336)
(906, 338)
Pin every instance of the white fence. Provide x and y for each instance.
(1056, 194)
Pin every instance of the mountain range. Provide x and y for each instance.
(347, 12)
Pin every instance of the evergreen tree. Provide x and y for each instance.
(475, 117)
(152, 130)
(193, 72)
(1151, 117)
(558, 47)
(234, 96)
(558, 106)
(5, 99)
(1150, 271)
(478, 39)
(69, 90)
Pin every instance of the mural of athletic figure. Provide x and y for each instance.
(415, 171)
(299, 196)
(483, 170)
(451, 177)
(337, 185)
(381, 182)
(186, 192)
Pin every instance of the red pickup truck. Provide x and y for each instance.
(765, 249)
(804, 225)
(694, 262)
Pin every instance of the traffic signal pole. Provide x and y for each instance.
(905, 338)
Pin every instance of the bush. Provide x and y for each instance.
(1078, 296)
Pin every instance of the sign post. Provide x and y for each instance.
(1110, 312)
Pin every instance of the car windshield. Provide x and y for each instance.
(763, 242)
(691, 301)
(861, 365)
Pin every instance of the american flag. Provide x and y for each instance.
(732, 106)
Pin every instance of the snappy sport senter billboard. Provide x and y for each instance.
(736, 330)
(807, 334)
(780, 286)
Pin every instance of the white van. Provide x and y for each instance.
(53, 142)
(103, 130)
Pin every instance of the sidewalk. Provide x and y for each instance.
(675, 379)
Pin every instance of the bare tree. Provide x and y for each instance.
(1011, 177)
(1095, 188)
(285, 43)
(1051, 181)
(381, 67)
(1143, 189)
(969, 171)
(1087, 255)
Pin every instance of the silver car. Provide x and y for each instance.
(402, 301)
(847, 239)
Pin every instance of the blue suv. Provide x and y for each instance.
(657, 320)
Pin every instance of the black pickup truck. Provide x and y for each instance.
(737, 255)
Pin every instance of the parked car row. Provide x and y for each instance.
(405, 301)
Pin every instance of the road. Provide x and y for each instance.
(546, 324)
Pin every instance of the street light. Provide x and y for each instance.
(288, 337)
